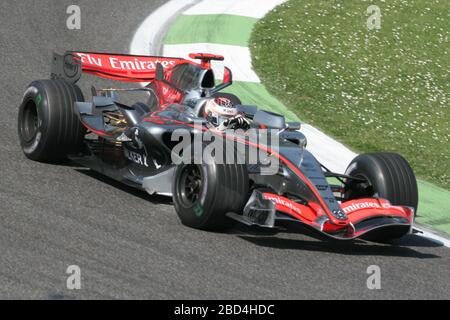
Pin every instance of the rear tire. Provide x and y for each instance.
(48, 127)
(217, 190)
(389, 176)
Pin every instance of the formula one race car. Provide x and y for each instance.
(139, 145)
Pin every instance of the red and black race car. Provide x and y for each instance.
(139, 145)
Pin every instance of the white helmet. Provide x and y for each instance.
(218, 110)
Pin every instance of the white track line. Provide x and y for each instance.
(248, 8)
(147, 40)
(428, 234)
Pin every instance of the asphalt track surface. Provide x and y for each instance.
(131, 245)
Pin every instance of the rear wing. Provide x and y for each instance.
(120, 67)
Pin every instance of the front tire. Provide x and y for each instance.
(48, 127)
(389, 176)
(204, 193)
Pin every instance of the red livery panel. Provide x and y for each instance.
(121, 67)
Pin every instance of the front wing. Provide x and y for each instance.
(365, 216)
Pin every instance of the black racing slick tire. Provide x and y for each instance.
(48, 127)
(231, 97)
(204, 193)
(388, 176)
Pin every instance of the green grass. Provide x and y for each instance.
(374, 90)
(216, 28)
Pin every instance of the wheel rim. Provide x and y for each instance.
(191, 185)
(30, 122)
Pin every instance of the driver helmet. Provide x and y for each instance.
(219, 109)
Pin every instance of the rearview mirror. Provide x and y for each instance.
(227, 76)
(226, 82)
